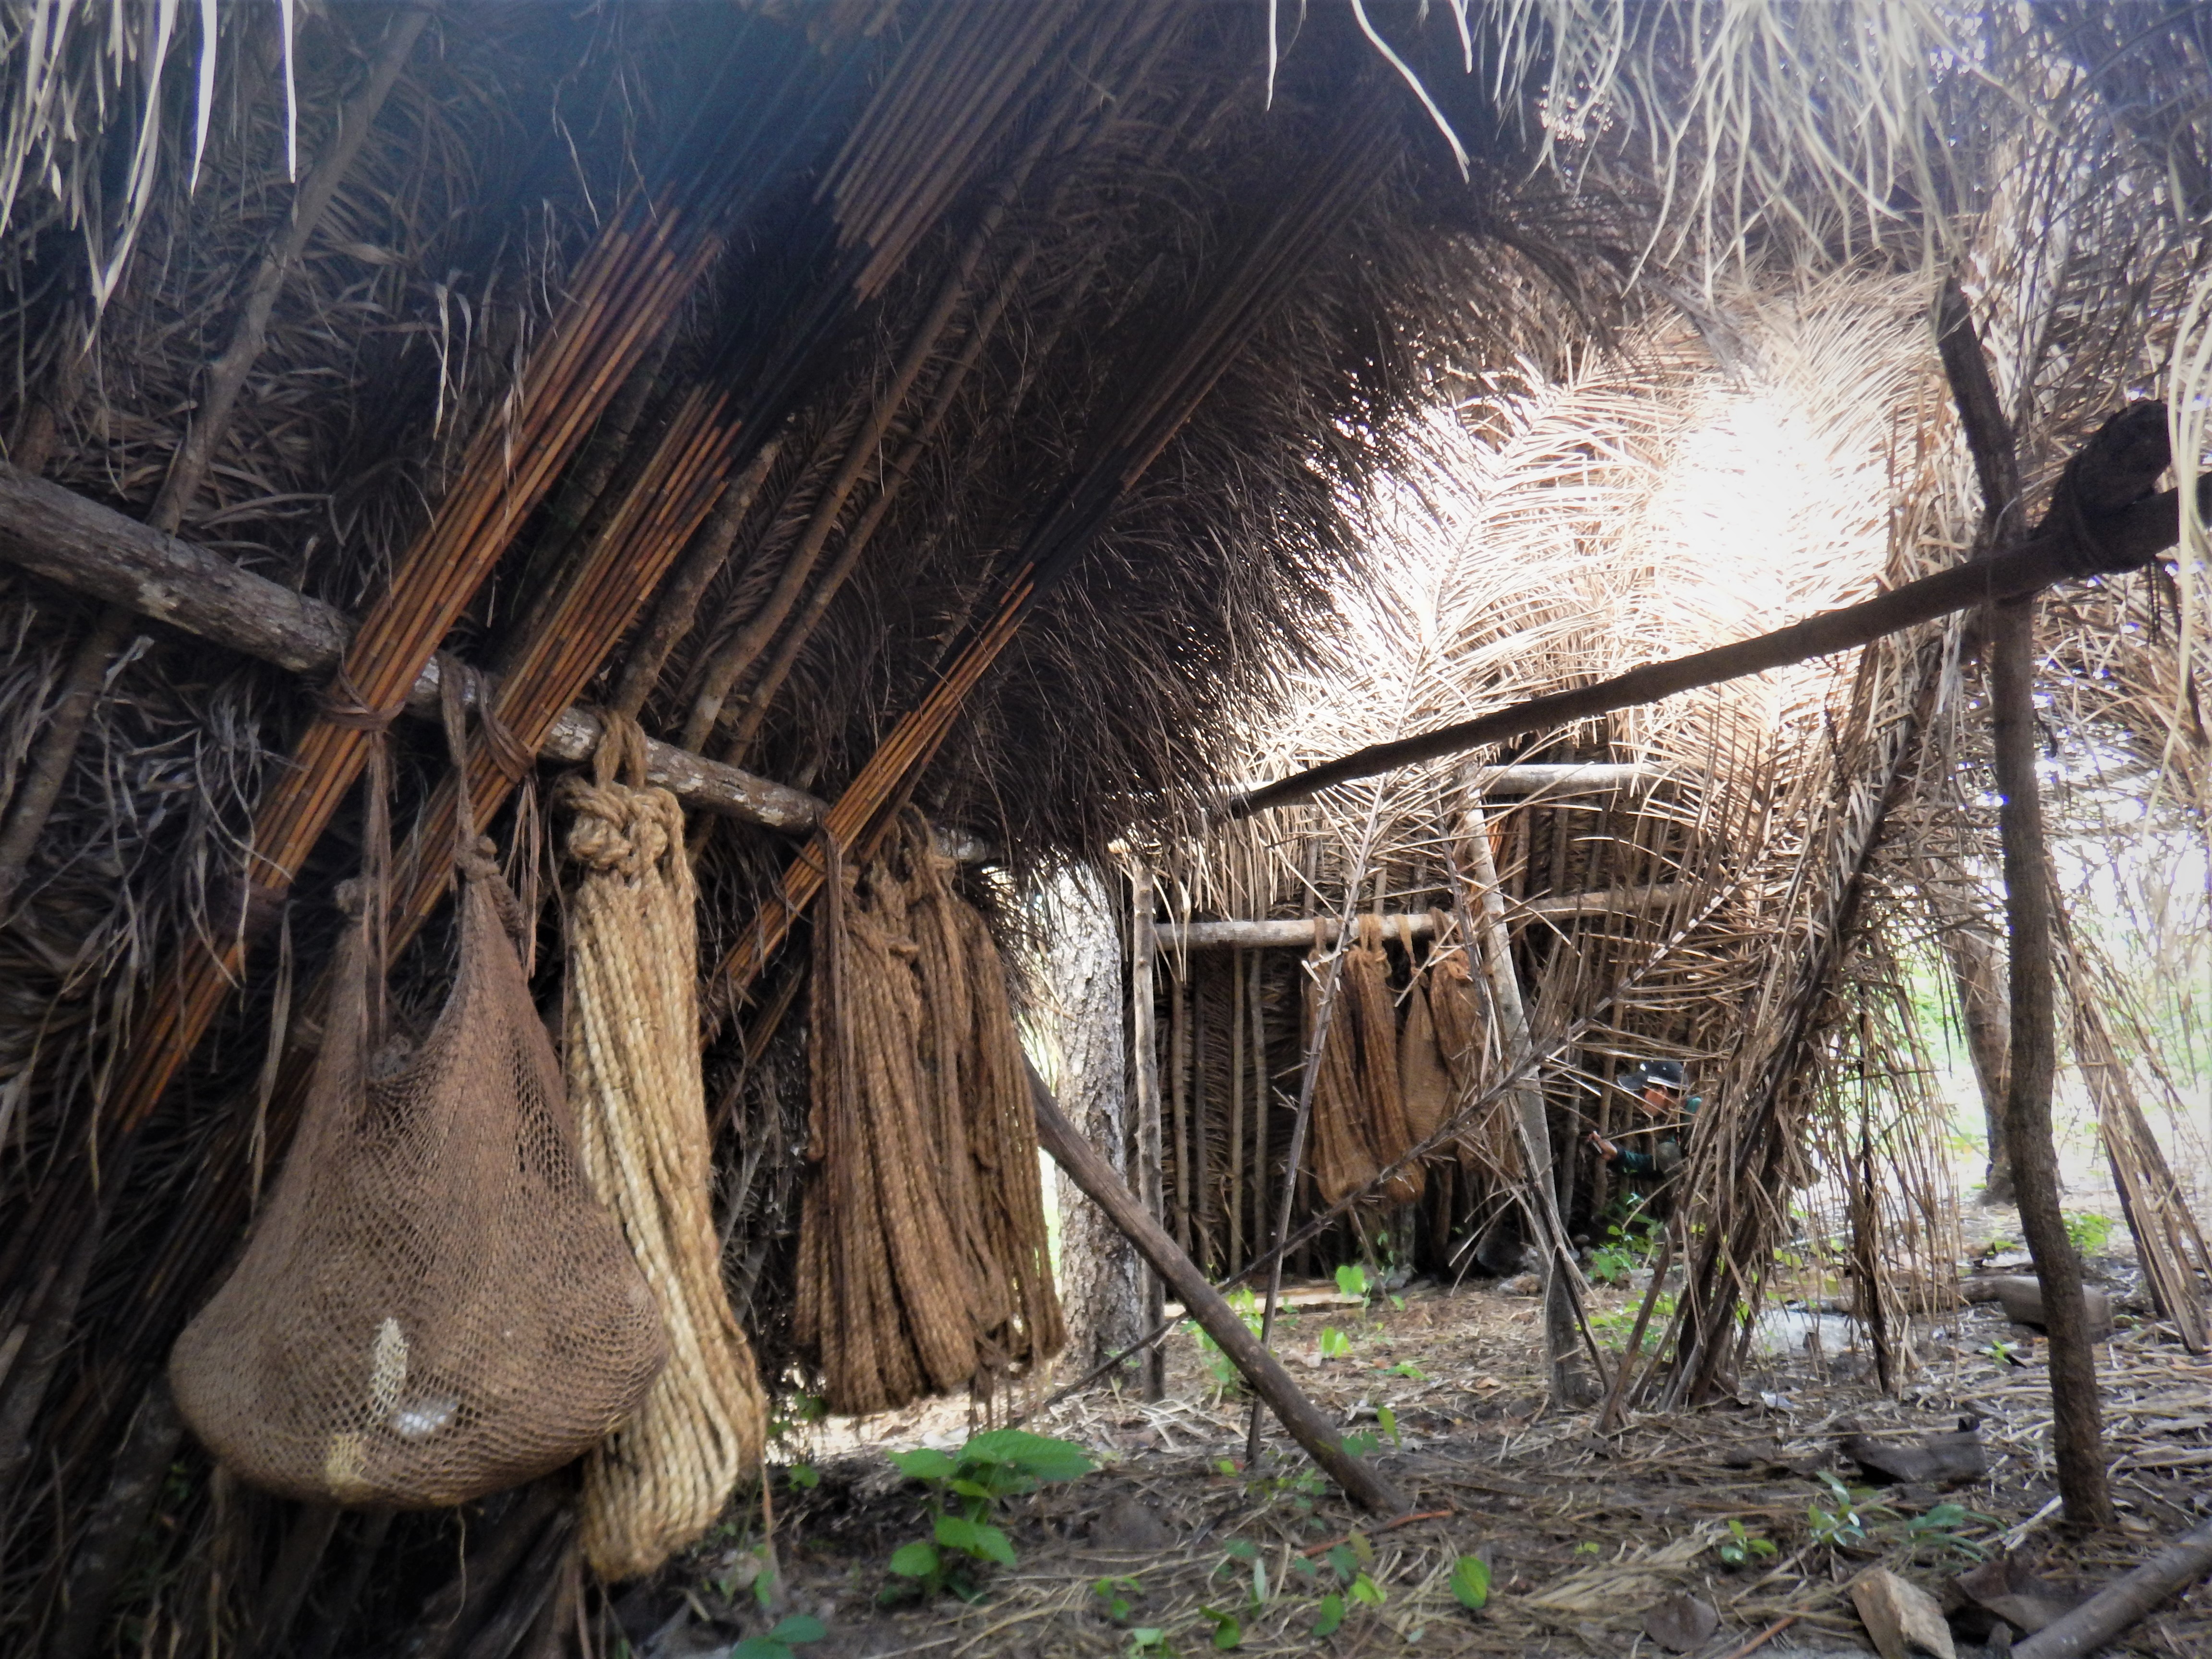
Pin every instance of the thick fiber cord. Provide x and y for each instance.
(661, 1479)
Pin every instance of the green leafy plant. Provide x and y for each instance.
(1119, 1595)
(1149, 1639)
(2004, 1352)
(1943, 1529)
(1329, 1615)
(1387, 1420)
(1226, 1377)
(805, 1476)
(1406, 1368)
(963, 1491)
(1625, 1249)
(1335, 1344)
(1352, 1281)
(1228, 1629)
(1743, 1546)
(1470, 1581)
(2090, 1233)
(1615, 1327)
(780, 1644)
(1590, 1546)
(1846, 1516)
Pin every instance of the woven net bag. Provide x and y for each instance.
(433, 1305)
(633, 1058)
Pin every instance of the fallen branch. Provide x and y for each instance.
(1323, 1440)
(2121, 1603)
(2113, 525)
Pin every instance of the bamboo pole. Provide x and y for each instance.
(1323, 1440)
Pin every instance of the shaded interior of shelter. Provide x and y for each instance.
(1225, 360)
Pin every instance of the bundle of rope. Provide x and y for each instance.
(433, 1305)
(1490, 1146)
(632, 1018)
(1359, 1112)
(923, 1261)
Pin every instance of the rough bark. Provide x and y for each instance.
(2093, 488)
(2077, 1435)
(1973, 958)
(1099, 1273)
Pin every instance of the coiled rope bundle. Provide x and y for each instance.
(633, 1068)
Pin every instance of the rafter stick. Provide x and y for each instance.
(630, 281)
(2117, 524)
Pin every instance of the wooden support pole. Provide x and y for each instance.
(1496, 956)
(1145, 1078)
(2076, 1429)
(90, 549)
(1323, 1440)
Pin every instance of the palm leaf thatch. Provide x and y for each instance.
(1062, 415)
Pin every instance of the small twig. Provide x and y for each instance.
(1764, 1636)
(1391, 1525)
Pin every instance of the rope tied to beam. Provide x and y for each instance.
(661, 1479)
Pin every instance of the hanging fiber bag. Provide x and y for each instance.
(632, 1020)
(1425, 1081)
(433, 1305)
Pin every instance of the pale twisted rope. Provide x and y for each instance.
(633, 1061)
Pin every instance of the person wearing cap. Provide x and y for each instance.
(1655, 1144)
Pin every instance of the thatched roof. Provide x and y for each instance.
(1174, 314)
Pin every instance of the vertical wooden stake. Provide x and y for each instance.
(1263, 1091)
(1497, 955)
(1145, 1075)
(1234, 1260)
(1179, 1084)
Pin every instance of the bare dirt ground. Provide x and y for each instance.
(1582, 1535)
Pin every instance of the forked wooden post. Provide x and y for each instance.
(1323, 1440)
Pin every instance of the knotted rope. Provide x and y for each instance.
(633, 1062)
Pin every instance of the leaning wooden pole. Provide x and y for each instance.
(1323, 1440)
(1497, 957)
(2077, 1437)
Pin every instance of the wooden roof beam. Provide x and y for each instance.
(89, 549)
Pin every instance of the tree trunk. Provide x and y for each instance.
(2077, 1431)
(1099, 1273)
(1972, 952)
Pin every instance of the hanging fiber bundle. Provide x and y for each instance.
(1359, 1113)
(1491, 1145)
(1425, 1081)
(632, 1019)
(434, 1306)
(923, 1264)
